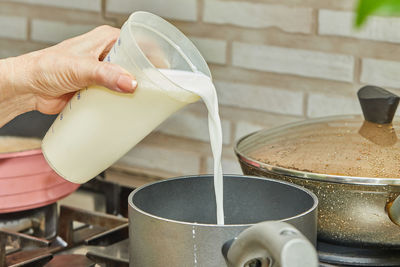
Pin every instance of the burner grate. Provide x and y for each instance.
(18, 249)
(98, 222)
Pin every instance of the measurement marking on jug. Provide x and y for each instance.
(194, 246)
(61, 116)
(119, 42)
(108, 58)
(78, 96)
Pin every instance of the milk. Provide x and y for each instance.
(202, 86)
(98, 126)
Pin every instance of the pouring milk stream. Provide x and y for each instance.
(98, 126)
(202, 86)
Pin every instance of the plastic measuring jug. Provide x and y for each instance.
(98, 126)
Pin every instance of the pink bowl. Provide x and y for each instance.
(27, 181)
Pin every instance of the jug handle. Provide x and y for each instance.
(271, 243)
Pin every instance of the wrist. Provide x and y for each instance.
(15, 98)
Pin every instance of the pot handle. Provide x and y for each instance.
(394, 211)
(271, 243)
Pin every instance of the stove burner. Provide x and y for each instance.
(39, 222)
(116, 254)
(338, 255)
(70, 260)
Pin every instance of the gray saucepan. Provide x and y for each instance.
(267, 223)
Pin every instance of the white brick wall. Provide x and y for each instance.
(194, 126)
(13, 27)
(12, 48)
(380, 72)
(9, 52)
(89, 5)
(156, 157)
(293, 61)
(341, 23)
(172, 9)
(229, 166)
(56, 31)
(213, 51)
(290, 19)
(260, 97)
(244, 128)
(320, 105)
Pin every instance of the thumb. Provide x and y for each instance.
(112, 76)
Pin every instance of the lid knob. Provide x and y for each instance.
(378, 105)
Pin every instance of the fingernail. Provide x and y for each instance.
(126, 84)
(134, 84)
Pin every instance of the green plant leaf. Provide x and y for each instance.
(366, 8)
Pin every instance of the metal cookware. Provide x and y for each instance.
(173, 223)
(351, 164)
(26, 180)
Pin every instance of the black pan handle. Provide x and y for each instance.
(378, 105)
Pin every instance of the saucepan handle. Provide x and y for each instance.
(270, 244)
(394, 210)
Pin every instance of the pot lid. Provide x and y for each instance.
(12, 144)
(335, 148)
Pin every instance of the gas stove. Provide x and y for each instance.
(60, 235)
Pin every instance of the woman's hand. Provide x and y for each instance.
(45, 80)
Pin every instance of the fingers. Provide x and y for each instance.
(103, 38)
(49, 105)
(113, 77)
(98, 42)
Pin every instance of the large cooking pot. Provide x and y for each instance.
(351, 164)
(26, 180)
(173, 223)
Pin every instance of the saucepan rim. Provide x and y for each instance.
(308, 192)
